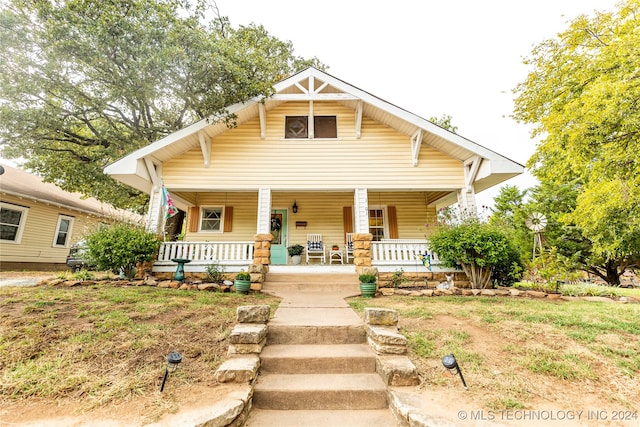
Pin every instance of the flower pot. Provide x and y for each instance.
(368, 290)
(242, 286)
(296, 259)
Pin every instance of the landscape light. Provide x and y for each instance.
(449, 361)
(173, 360)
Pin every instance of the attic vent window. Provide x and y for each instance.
(297, 127)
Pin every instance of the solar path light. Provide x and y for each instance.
(449, 361)
(173, 360)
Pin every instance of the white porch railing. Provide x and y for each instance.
(402, 252)
(201, 254)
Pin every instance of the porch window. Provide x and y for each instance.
(297, 127)
(63, 231)
(12, 221)
(377, 223)
(211, 219)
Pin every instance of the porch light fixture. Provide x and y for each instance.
(294, 208)
(449, 361)
(173, 360)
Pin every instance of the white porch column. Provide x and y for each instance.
(264, 211)
(361, 210)
(467, 202)
(154, 215)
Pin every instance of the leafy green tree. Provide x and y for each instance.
(582, 97)
(121, 247)
(475, 246)
(444, 122)
(84, 82)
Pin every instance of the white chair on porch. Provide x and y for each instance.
(348, 247)
(315, 248)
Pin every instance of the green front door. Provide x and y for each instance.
(279, 233)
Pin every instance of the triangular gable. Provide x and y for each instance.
(483, 167)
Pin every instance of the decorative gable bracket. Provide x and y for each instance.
(471, 168)
(205, 146)
(416, 143)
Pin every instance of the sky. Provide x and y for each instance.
(461, 58)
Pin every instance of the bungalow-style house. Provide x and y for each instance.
(320, 163)
(39, 221)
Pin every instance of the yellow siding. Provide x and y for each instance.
(245, 217)
(36, 244)
(322, 211)
(381, 158)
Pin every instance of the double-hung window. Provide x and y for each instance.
(12, 222)
(63, 231)
(377, 223)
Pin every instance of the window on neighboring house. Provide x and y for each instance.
(63, 231)
(297, 127)
(12, 221)
(211, 219)
(376, 223)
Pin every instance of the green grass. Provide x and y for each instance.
(108, 343)
(511, 347)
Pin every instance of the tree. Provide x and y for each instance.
(583, 97)
(121, 247)
(85, 82)
(445, 123)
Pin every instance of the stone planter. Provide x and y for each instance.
(242, 286)
(296, 259)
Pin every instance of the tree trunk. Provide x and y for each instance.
(480, 277)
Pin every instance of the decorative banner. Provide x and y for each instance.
(426, 260)
(169, 208)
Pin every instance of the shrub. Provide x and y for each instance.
(367, 278)
(243, 275)
(295, 250)
(398, 278)
(215, 272)
(477, 247)
(121, 247)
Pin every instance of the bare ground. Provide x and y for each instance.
(610, 400)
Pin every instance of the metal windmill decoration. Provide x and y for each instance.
(536, 222)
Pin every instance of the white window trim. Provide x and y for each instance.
(55, 236)
(202, 208)
(23, 221)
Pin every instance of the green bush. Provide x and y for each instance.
(475, 246)
(121, 247)
(243, 275)
(367, 278)
(215, 272)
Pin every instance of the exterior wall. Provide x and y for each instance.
(381, 158)
(244, 215)
(36, 245)
(321, 210)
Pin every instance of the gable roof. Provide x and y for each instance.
(22, 184)
(313, 84)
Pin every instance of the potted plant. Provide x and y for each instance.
(368, 285)
(335, 247)
(242, 283)
(295, 252)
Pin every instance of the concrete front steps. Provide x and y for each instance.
(317, 368)
(310, 282)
